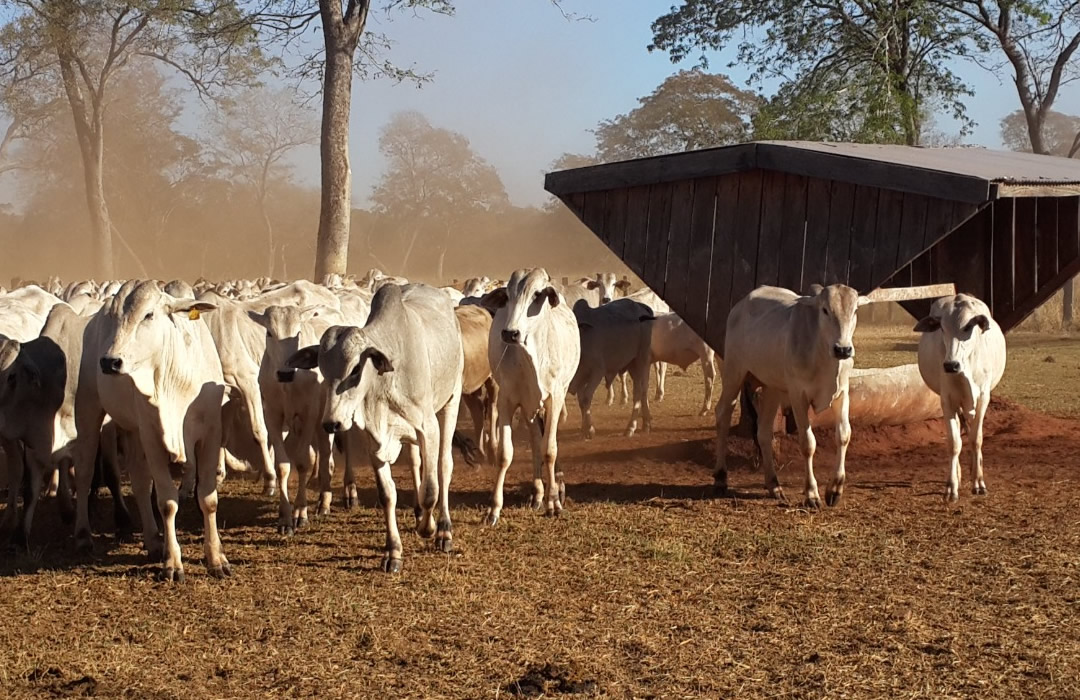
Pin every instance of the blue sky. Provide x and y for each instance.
(525, 85)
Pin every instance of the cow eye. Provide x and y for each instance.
(149, 316)
(825, 311)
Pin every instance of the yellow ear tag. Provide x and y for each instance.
(193, 314)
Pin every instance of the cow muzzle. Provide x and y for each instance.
(332, 426)
(111, 365)
(605, 300)
(510, 336)
(285, 376)
(843, 352)
(951, 367)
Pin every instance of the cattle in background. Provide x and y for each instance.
(160, 378)
(20, 322)
(615, 338)
(962, 359)
(398, 381)
(799, 349)
(534, 349)
(478, 389)
(594, 291)
(674, 342)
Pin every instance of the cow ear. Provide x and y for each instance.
(645, 317)
(927, 325)
(379, 361)
(592, 284)
(624, 285)
(815, 289)
(258, 317)
(981, 321)
(495, 299)
(304, 358)
(191, 308)
(552, 296)
(9, 351)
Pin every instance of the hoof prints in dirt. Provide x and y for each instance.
(547, 680)
(53, 680)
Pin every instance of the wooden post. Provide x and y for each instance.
(1067, 302)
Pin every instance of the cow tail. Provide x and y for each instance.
(746, 402)
(467, 448)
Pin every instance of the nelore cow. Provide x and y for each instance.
(674, 342)
(397, 381)
(534, 349)
(962, 359)
(159, 378)
(799, 349)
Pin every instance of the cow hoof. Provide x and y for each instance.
(951, 495)
(322, 511)
(425, 527)
(392, 566)
(832, 498)
(351, 501)
(171, 575)
(223, 571)
(444, 543)
(125, 535)
(286, 529)
(83, 541)
(67, 516)
(778, 493)
(301, 523)
(813, 502)
(270, 489)
(979, 490)
(491, 518)
(416, 511)
(18, 540)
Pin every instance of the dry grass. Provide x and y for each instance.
(646, 587)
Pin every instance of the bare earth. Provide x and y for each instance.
(646, 587)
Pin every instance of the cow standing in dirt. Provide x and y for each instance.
(962, 359)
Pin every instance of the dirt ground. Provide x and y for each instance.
(646, 587)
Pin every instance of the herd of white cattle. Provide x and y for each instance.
(269, 377)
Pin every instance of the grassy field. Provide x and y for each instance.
(646, 587)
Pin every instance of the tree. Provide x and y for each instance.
(82, 46)
(893, 51)
(1061, 133)
(691, 109)
(1039, 40)
(433, 181)
(254, 131)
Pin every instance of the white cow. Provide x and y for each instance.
(534, 349)
(34, 298)
(799, 349)
(962, 359)
(19, 321)
(615, 338)
(398, 381)
(674, 342)
(160, 378)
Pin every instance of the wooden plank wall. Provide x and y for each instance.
(1014, 254)
(703, 244)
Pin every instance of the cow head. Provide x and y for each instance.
(476, 286)
(354, 372)
(609, 285)
(526, 297)
(283, 325)
(959, 320)
(835, 307)
(143, 319)
(19, 376)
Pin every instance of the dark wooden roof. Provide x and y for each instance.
(970, 175)
(704, 228)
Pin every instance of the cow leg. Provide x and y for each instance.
(953, 444)
(355, 446)
(556, 486)
(708, 369)
(536, 448)
(141, 489)
(88, 418)
(298, 448)
(505, 456)
(491, 419)
(770, 404)
(843, 439)
(640, 379)
(54, 483)
(253, 406)
(444, 538)
(415, 462)
(661, 379)
(157, 465)
(975, 436)
(475, 404)
(63, 493)
(15, 466)
(384, 482)
(585, 397)
(283, 461)
(625, 388)
(110, 472)
(800, 407)
(207, 454)
(729, 395)
(37, 468)
(429, 474)
(324, 453)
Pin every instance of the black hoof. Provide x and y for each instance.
(286, 529)
(813, 503)
(84, 542)
(125, 536)
(223, 571)
(720, 489)
(831, 499)
(392, 566)
(444, 543)
(979, 491)
(490, 519)
(171, 575)
(301, 523)
(270, 490)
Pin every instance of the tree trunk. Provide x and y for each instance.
(270, 253)
(332, 249)
(100, 223)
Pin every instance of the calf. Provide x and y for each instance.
(615, 338)
(398, 381)
(799, 349)
(534, 349)
(962, 359)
